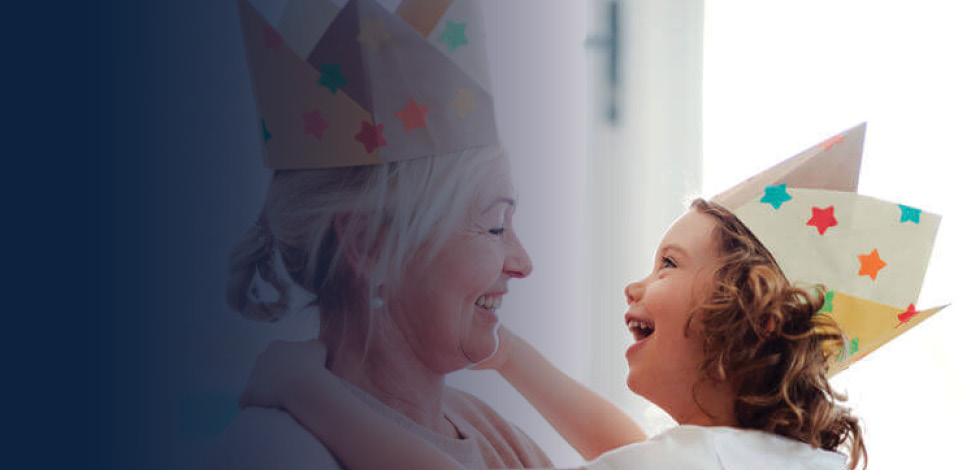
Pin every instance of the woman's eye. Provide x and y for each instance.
(496, 230)
(668, 263)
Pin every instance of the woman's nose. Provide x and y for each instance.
(517, 262)
(633, 292)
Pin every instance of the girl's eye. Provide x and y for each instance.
(668, 263)
(496, 230)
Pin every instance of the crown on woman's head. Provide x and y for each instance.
(871, 255)
(360, 85)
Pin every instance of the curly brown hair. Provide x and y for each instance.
(767, 339)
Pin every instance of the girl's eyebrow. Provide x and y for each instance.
(675, 247)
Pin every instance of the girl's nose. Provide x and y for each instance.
(633, 292)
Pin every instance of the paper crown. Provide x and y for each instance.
(871, 255)
(360, 85)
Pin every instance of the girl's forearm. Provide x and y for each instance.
(356, 434)
(591, 424)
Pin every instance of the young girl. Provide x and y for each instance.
(724, 344)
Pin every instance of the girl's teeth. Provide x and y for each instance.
(491, 302)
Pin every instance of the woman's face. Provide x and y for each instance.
(664, 363)
(448, 306)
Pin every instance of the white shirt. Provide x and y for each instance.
(718, 448)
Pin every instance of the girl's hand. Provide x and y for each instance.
(281, 370)
(507, 342)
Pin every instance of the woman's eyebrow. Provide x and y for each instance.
(507, 200)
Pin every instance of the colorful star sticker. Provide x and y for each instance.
(454, 35)
(909, 214)
(871, 264)
(833, 141)
(464, 101)
(412, 115)
(908, 315)
(372, 33)
(266, 134)
(371, 136)
(272, 38)
(828, 306)
(314, 124)
(776, 195)
(854, 346)
(822, 219)
(331, 77)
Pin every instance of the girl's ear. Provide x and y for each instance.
(351, 233)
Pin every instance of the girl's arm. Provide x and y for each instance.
(589, 422)
(293, 376)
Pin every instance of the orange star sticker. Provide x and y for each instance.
(822, 219)
(871, 264)
(412, 115)
(839, 139)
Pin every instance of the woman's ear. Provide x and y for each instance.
(351, 233)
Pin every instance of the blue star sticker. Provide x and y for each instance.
(331, 77)
(266, 134)
(909, 214)
(776, 195)
(454, 35)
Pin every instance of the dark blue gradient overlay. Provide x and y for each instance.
(118, 114)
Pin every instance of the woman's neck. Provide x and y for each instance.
(394, 375)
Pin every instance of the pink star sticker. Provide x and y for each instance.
(272, 38)
(822, 219)
(314, 124)
(370, 136)
(832, 141)
(412, 115)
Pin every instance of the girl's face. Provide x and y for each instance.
(447, 308)
(664, 362)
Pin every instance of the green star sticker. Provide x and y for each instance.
(854, 346)
(331, 77)
(776, 195)
(454, 35)
(909, 214)
(827, 307)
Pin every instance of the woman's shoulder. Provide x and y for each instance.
(262, 438)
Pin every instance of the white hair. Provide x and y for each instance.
(394, 210)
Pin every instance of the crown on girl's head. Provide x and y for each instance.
(871, 255)
(360, 85)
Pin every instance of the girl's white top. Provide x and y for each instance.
(718, 448)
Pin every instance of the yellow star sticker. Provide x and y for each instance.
(372, 33)
(464, 101)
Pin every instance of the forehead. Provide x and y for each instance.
(692, 231)
(494, 183)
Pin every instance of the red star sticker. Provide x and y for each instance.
(871, 264)
(370, 136)
(907, 315)
(314, 124)
(272, 38)
(839, 139)
(412, 115)
(822, 219)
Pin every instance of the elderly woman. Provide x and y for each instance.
(391, 205)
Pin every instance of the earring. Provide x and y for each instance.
(376, 301)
